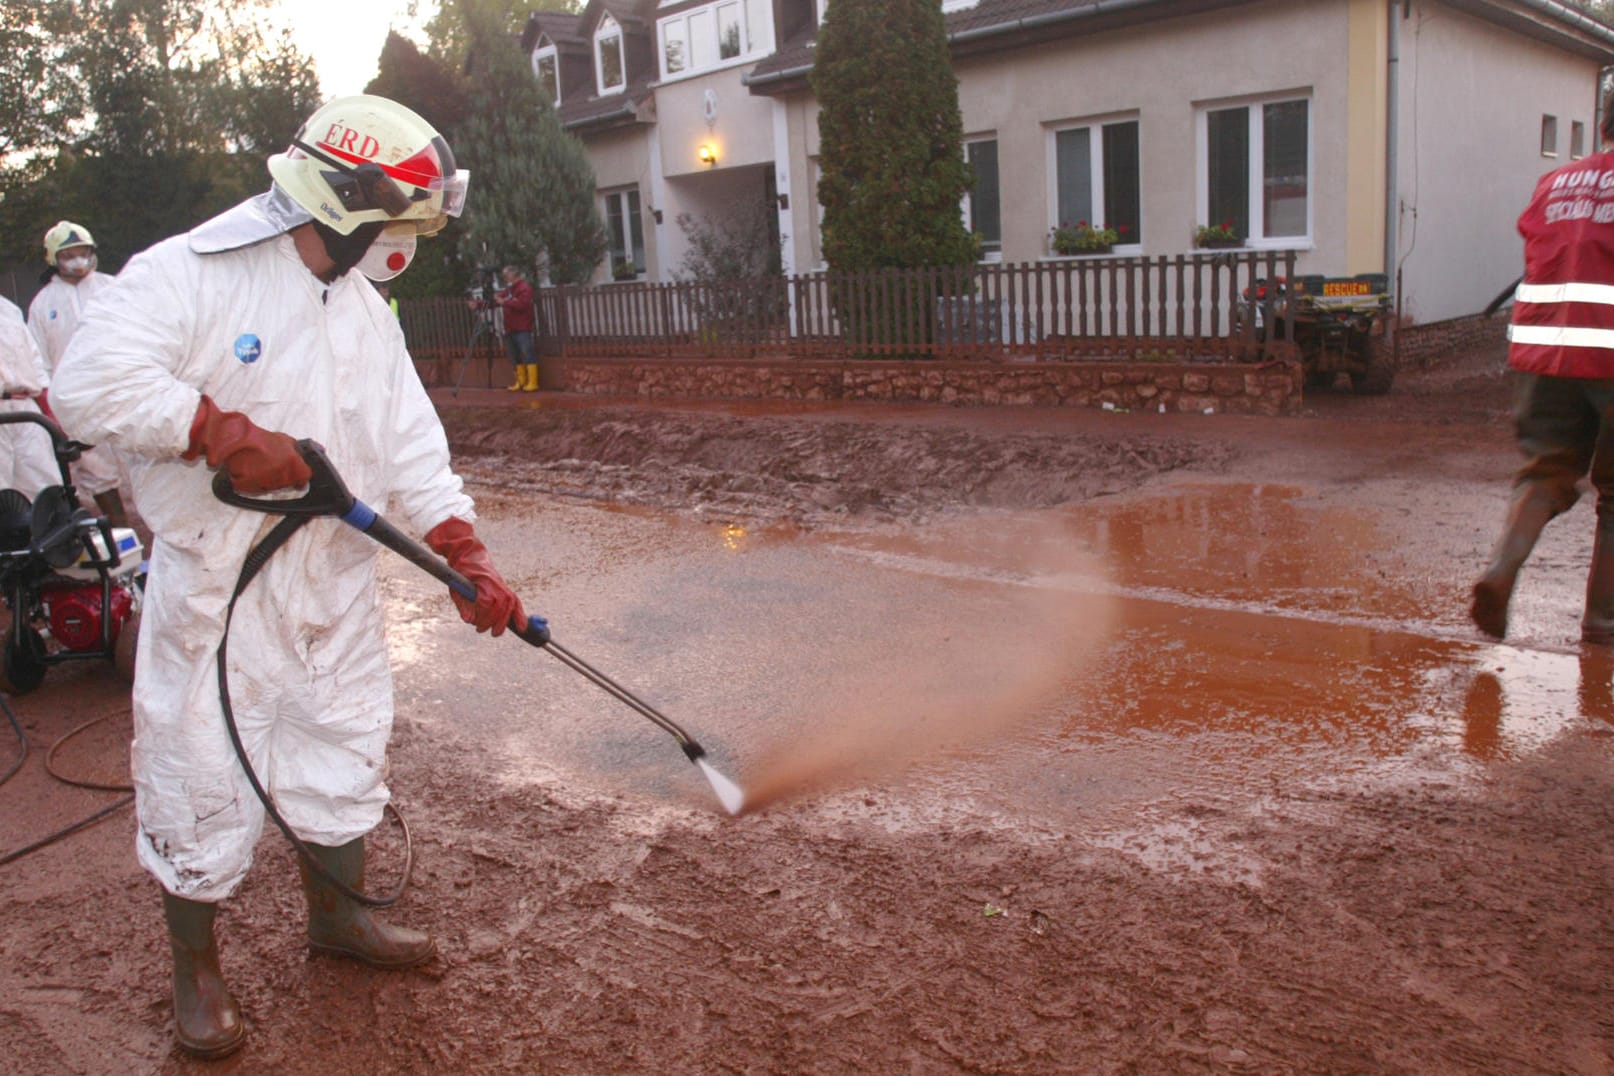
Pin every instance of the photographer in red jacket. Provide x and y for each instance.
(515, 299)
(1561, 343)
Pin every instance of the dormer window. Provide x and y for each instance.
(715, 35)
(546, 67)
(608, 65)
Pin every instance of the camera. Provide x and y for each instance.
(484, 282)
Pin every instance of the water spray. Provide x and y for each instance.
(328, 495)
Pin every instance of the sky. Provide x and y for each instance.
(344, 37)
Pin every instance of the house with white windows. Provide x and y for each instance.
(1396, 136)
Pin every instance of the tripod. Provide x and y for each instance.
(482, 328)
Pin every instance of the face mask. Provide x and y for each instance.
(389, 255)
(347, 250)
(76, 266)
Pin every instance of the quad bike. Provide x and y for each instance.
(1339, 327)
(72, 582)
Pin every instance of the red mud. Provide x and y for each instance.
(1090, 743)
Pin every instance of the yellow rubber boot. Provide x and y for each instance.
(530, 372)
(520, 382)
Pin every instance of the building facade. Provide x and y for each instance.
(1396, 136)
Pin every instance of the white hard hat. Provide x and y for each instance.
(364, 158)
(66, 234)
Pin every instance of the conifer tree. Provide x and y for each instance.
(532, 187)
(890, 137)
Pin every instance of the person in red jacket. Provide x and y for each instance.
(515, 298)
(1561, 343)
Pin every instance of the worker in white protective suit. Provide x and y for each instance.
(71, 281)
(27, 456)
(216, 349)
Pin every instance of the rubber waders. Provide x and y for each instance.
(1597, 627)
(341, 926)
(206, 1021)
(1532, 508)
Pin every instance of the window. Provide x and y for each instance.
(1577, 139)
(627, 233)
(715, 35)
(981, 206)
(1256, 166)
(1549, 136)
(608, 67)
(1095, 170)
(545, 67)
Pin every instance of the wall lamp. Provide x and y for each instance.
(707, 155)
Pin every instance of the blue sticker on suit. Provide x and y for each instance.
(248, 348)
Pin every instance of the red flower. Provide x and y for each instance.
(1121, 229)
(1081, 224)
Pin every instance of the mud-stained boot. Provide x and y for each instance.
(110, 503)
(529, 377)
(341, 926)
(206, 1020)
(1532, 509)
(1597, 626)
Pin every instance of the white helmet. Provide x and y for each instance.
(363, 158)
(66, 234)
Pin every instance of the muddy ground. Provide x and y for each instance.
(1076, 742)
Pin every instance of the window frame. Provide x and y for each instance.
(1549, 135)
(630, 215)
(607, 29)
(1094, 125)
(994, 253)
(704, 20)
(1255, 133)
(545, 49)
(1577, 139)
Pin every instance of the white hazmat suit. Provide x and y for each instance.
(232, 311)
(53, 317)
(29, 463)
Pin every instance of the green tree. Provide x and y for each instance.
(532, 188)
(890, 137)
(179, 102)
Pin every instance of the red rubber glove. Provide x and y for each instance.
(44, 404)
(496, 605)
(257, 459)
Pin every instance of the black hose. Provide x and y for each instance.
(256, 559)
(83, 823)
(22, 739)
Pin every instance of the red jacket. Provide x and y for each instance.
(1563, 312)
(517, 303)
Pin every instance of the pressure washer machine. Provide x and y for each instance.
(71, 581)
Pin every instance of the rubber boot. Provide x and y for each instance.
(520, 382)
(1597, 627)
(206, 1021)
(1531, 510)
(110, 503)
(530, 377)
(341, 926)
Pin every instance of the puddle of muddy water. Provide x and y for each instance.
(1037, 660)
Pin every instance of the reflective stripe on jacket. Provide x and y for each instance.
(1563, 311)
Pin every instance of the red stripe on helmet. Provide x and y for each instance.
(417, 171)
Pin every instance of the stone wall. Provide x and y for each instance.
(1422, 345)
(1271, 388)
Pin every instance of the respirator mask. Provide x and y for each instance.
(390, 254)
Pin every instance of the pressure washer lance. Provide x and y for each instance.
(328, 495)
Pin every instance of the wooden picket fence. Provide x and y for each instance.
(1055, 309)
